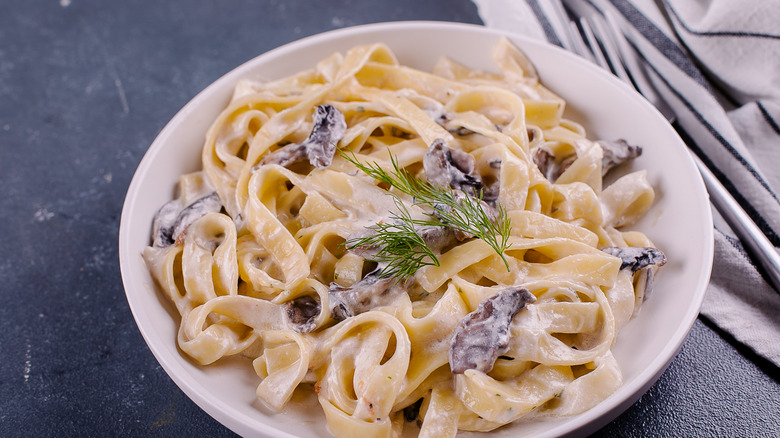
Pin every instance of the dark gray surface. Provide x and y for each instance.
(85, 86)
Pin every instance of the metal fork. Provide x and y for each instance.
(597, 36)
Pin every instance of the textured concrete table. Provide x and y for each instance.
(85, 86)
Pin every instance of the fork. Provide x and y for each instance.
(597, 36)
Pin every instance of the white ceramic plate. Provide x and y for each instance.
(679, 223)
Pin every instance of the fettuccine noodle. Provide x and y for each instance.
(252, 252)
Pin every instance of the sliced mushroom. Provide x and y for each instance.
(319, 147)
(491, 190)
(207, 204)
(643, 285)
(437, 238)
(545, 162)
(370, 292)
(162, 225)
(551, 166)
(329, 128)
(302, 313)
(170, 224)
(483, 335)
(614, 153)
(636, 258)
(287, 155)
(617, 152)
(642, 263)
(450, 167)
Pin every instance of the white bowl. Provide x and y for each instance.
(680, 222)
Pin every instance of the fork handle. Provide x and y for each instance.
(754, 240)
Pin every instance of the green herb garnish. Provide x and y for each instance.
(401, 246)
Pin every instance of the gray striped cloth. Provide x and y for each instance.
(717, 63)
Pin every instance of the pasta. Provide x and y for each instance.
(257, 252)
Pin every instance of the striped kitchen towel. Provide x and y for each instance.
(717, 63)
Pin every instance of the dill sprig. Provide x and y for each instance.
(399, 247)
(453, 209)
(466, 213)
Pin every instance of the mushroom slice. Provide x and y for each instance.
(319, 147)
(207, 204)
(437, 238)
(329, 128)
(483, 335)
(302, 313)
(617, 152)
(636, 258)
(643, 285)
(450, 167)
(642, 262)
(614, 153)
(545, 162)
(286, 156)
(170, 223)
(549, 165)
(370, 292)
(162, 225)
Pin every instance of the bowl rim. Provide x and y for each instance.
(243, 424)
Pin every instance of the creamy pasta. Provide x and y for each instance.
(256, 253)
